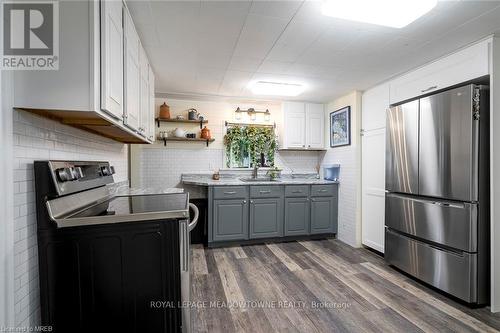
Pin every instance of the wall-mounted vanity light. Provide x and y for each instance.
(252, 113)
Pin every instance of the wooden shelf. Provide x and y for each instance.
(186, 140)
(184, 121)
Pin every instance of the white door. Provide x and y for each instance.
(151, 128)
(315, 125)
(112, 58)
(132, 75)
(144, 91)
(295, 136)
(374, 105)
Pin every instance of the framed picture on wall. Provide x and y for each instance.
(340, 127)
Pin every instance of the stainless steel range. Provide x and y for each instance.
(437, 184)
(108, 253)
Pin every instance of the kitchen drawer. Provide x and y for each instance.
(452, 272)
(266, 191)
(230, 192)
(324, 190)
(296, 191)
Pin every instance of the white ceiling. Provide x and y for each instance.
(219, 47)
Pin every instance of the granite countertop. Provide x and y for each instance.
(233, 180)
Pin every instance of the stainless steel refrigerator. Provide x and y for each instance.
(437, 191)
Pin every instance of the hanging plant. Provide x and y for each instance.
(254, 140)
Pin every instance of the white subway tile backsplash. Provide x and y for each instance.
(37, 138)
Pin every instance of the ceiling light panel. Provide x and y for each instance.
(391, 13)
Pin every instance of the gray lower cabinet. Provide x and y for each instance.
(230, 220)
(266, 218)
(297, 216)
(323, 215)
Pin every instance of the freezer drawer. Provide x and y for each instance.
(454, 273)
(448, 223)
(449, 141)
(402, 148)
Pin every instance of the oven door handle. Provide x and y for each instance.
(194, 220)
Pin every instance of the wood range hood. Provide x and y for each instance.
(93, 122)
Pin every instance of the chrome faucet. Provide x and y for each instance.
(255, 172)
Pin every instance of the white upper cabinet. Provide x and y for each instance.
(315, 124)
(462, 66)
(294, 125)
(98, 84)
(132, 74)
(112, 58)
(303, 125)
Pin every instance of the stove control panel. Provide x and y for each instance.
(75, 176)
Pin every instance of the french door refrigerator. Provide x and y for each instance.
(437, 191)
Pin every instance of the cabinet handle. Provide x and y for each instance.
(230, 192)
(429, 89)
(244, 201)
(265, 192)
(313, 200)
(322, 190)
(309, 146)
(251, 201)
(297, 191)
(303, 146)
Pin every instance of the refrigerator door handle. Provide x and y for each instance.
(430, 201)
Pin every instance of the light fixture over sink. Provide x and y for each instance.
(276, 88)
(391, 13)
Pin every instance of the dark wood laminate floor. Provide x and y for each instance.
(318, 286)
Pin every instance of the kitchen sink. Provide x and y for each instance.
(259, 179)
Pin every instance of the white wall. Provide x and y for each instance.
(37, 138)
(494, 174)
(154, 165)
(349, 158)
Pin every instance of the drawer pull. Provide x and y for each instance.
(265, 192)
(322, 190)
(230, 192)
(429, 89)
(297, 191)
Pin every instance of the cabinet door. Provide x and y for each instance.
(230, 220)
(294, 125)
(151, 107)
(465, 65)
(297, 216)
(375, 104)
(144, 91)
(112, 58)
(266, 217)
(323, 215)
(315, 128)
(132, 74)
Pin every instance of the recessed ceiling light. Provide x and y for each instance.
(391, 13)
(276, 88)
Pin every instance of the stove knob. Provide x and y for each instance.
(112, 169)
(105, 171)
(65, 174)
(78, 173)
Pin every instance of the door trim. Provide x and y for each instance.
(7, 305)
